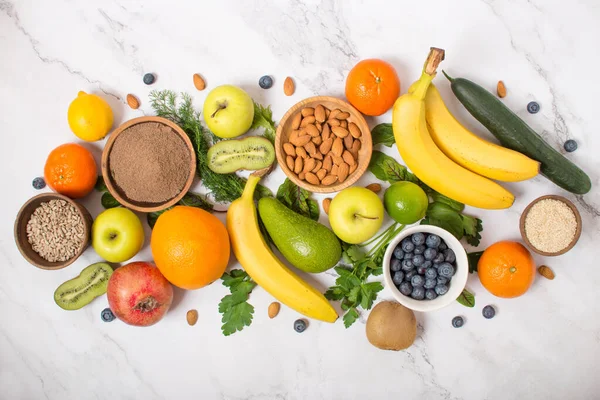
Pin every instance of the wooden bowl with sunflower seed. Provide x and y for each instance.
(323, 144)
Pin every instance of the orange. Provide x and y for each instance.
(190, 247)
(506, 269)
(71, 170)
(372, 86)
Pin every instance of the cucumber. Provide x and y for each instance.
(515, 134)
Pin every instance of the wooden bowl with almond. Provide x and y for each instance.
(323, 144)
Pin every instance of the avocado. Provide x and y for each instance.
(306, 244)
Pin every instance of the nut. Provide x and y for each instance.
(318, 166)
(288, 86)
(334, 113)
(337, 160)
(354, 130)
(199, 82)
(546, 272)
(343, 171)
(309, 164)
(348, 141)
(339, 131)
(312, 178)
(298, 164)
(318, 155)
(317, 140)
(133, 102)
(274, 309)
(355, 148)
(319, 127)
(329, 180)
(501, 89)
(307, 121)
(289, 149)
(306, 111)
(333, 122)
(320, 113)
(334, 170)
(296, 121)
(321, 173)
(312, 130)
(342, 115)
(353, 168)
(374, 187)
(289, 161)
(348, 158)
(326, 204)
(300, 152)
(327, 112)
(337, 147)
(311, 149)
(192, 317)
(344, 124)
(301, 175)
(327, 164)
(326, 132)
(326, 146)
(301, 141)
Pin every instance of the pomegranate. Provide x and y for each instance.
(138, 294)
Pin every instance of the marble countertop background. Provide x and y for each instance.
(544, 345)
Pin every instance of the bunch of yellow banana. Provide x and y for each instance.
(260, 263)
(445, 155)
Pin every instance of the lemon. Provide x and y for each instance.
(405, 202)
(90, 117)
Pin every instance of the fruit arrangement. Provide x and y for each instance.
(191, 248)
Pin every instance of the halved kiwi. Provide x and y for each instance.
(81, 290)
(252, 153)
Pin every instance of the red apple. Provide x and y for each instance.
(138, 294)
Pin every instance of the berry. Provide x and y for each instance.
(265, 82)
(439, 258)
(395, 265)
(457, 322)
(570, 145)
(420, 249)
(442, 246)
(398, 278)
(430, 283)
(430, 253)
(441, 290)
(407, 265)
(405, 288)
(430, 294)
(433, 241)
(299, 325)
(446, 270)
(427, 264)
(149, 79)
(449, 256)
(418, 238)
(533, 107)
(407, 245)
(418, 293)
(39, 183)
(398, 253)
(488, 312)
(441, 280)
(408, 276)
(408, 256)
(418, 260)
(421, 270)
(431, 273)
(107, 315)
(417, 281)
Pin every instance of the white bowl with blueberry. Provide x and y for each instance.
(425, 267)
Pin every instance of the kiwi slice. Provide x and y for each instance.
(81, 290)
(252, 153)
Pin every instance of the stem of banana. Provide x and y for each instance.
(434, 59)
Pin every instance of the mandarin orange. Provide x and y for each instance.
(506, 269)
(71, 170)
(372, 86)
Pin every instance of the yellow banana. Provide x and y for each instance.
(427, 161)
(470, 151)
(260, 263)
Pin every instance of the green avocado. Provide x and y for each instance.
(306, 244)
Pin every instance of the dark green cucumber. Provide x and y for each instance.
(515, 134)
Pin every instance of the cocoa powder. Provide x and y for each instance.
(149, 163)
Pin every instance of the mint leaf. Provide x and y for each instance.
(108, 201)
(466, 298)
(350, 317)
(263, 118)
(383, 134)
(298, 200)
(388, 169)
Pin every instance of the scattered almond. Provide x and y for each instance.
(501, 89)
(288, 86)
(289, 149)
(192, 317)
(326, 204)
(546, 272)
(354, 130)
(274, 309)
(312, 178)
(296, 121)
(199, 82)
(329, 180)
(133, 102)
(307, 111)
(374, 187)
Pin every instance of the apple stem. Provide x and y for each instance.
(147, 304)
(365, 217)
(222, 106)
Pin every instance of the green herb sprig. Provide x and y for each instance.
(298, 200)
(237, 312)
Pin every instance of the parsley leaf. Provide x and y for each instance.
(350, 317)
(237, 312)
(383, 134)
(263, 117)
(298, 200)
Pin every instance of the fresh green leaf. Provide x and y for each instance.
(336, 293)
(352, 253)
(298, 200)
(387, 169)
(440, 198)
(100, 185)
(444, 216)
(237, 312)
(236, 317)
(108, 201)
(350, 317)
(383, 134)
(354, 295)
(466, 298)
(195, 200)
(263, 118)
(474, 260)
(369, 294)
(153, 217)
(472, 228)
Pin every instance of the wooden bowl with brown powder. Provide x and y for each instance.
(148, 164)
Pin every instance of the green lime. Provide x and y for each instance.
(405, 202)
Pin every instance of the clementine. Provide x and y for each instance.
(372, 86)
(71, 170)
(506, 269)
(190, 247)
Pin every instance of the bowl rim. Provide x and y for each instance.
(459, 280)
(366, 145)
(569, 204)
(106, 173)
(19, 221)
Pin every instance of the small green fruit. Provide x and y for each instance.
(405, 202)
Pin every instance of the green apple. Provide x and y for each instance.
(355, 214)
(117, 234)
(228, 111)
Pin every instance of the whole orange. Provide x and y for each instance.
(190, 247)
(71, 170)
(506, 269)
(372, 86)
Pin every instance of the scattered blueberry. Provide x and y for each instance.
(398, 253)
(418, 293)
(533, 107)
(265, 82)
(149, 79)
(430, 294)
(395, 265)
(408, 276)
(407, 245)
(417, 281)
(418, 260)
(39, 183)
(430, 253)
(433, 241)
(398, 278)
(446, 270)
(406, 288)
(107, 315)
(441, 280)
(570, 145)
(442, 246)
(439, 258)
(441, 290)
(431, 273)
(421, 270)
(418, 238)
(407, 265)
(449, 255)
(299, 325)
(427, 264)
(457, 322)
(488, 312)
(420, 249)
(430, 283)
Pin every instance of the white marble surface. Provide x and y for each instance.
(544, 345)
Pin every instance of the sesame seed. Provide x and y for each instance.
(550, 225)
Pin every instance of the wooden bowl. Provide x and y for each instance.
(21, 230)
(116, 192)
(284, 131)
(577, 230)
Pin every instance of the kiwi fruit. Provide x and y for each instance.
(252, 153)
(81, 290)
(391, 326)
